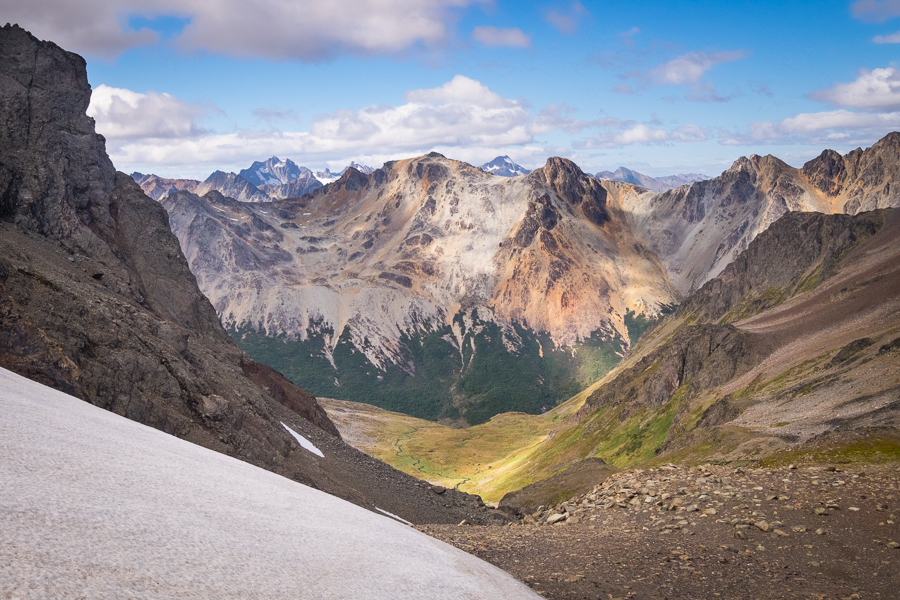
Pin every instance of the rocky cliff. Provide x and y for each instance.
(96, 299)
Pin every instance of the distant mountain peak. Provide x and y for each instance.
(274, 171)
(504, 166)
(654, 184)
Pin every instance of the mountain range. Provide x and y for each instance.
(263, 181)
(653, 184)
(395, 289)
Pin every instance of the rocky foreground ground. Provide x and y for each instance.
(708, 532)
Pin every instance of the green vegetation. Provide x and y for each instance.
(496, 372)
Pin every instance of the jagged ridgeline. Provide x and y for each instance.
(434, 288)
(429, 286)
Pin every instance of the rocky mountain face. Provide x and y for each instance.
(96, 300)
(304, 184)
(233, 186)
(653, 184)
(424, 284)
(273, 171)
(798, 337)
(698, 230)
(280, 178)
(503, 166)
(159, 187)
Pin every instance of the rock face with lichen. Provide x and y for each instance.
(97, 300)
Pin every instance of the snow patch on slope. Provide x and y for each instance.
(149, 515)
(304, 443)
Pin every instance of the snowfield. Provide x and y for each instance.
(94, 505)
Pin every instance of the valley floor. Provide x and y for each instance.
(709, 532)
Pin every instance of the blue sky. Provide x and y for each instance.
(184, 87)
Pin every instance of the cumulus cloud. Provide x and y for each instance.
(878, 89)
(492, 36)
(124, 114)
(308, 31)
(566, 20)
(690, 68)
(893, 38)
(876, 11)
(158, 133)
(159, 129)
(460, 90)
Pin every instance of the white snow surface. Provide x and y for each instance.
(304, 443)
(94, 505)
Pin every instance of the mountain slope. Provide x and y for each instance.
(233, 186)
(148, 515)
(653, 184)
(795, 344)
(766, 355)
(158, 187)
(697, 230)
(399, 272)
(96, 300)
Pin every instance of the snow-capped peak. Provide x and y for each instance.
(504, 166)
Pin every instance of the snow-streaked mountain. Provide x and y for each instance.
(274, 171)
(233, 186)
(364, 169)
(326, 176)
(503, 166)
(654, 184)
(115, 509)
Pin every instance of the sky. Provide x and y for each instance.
(184, 87)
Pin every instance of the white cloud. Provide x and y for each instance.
(815, 128)
(691, 67)
(275, 29)
(567, 20)
(492, 36)
(644, 134)
(124, 114)
(460, 90)
(893, 38)
(158, 133)
(875, 10)
(158, 129)
(878, 89)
